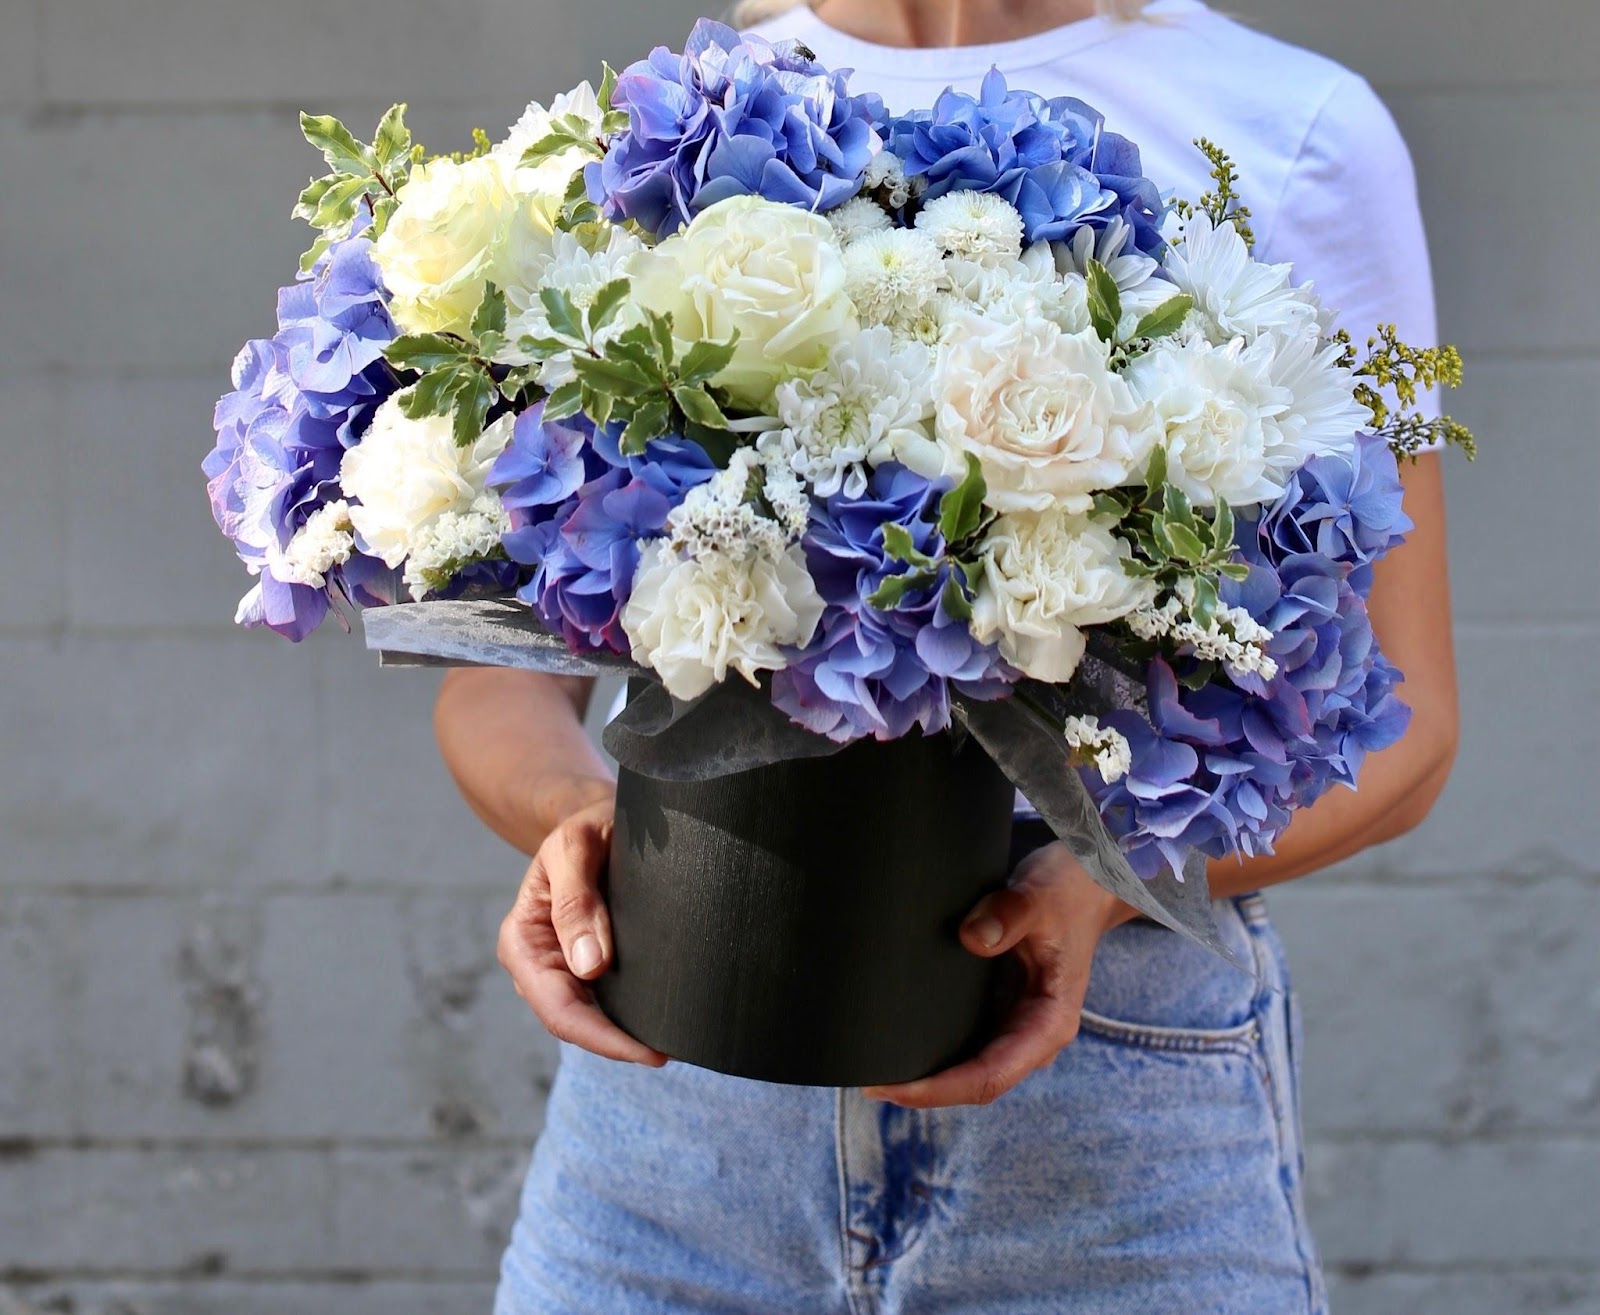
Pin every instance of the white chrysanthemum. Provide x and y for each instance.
(892, 275)
(1234, 293)
(1048, 420)
(693, 619)
(973, 225)
(573, 268)
(406, 474)
(551, 176)
(772, 273)
(717, 518)
(867, 405)
(857, 218)
(885, 170)
(1047, 575)
(453, 540)
(323, 542)
(1323, 415)
(1215, 409)
(1105, 746)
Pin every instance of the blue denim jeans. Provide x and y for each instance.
(1153, 1169)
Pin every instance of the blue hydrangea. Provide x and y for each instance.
(870, 671)
(1222, 768)
(299, 400)
(579, 511)
(732, 116)
(1052, 159)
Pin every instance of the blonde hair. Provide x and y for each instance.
(746, 12)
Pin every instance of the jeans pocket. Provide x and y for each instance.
(1240, 1039)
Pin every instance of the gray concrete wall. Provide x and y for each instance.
(262, 1074)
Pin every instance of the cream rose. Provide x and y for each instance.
(691, 619)
(457, 228)
(1040, 408)
(771, 272)
(1046, 576)
(407, 474)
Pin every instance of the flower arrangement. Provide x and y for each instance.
(723, 369)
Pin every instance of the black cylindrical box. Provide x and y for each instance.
(798, 923)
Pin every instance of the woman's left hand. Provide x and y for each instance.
(1053, 914)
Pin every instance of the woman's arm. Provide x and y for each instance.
(515, 743)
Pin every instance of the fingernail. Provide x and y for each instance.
(987, 931)
(585, 956)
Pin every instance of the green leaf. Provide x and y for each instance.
(1199, 676)
(954, 600)
(558, 141)
(1204, 606)
(961, 509)
(608, 86)
(566, 401)
(433, 394)
(719, 444)
(309, 260)
(1222, 524)
(1185, 542)
(1165, 318)
(1178, 507)
(393, 142)
(1235, 570)
(1105, 301)
(705, 360)
(661, 335)
(622, 378)
(607, 302)
(473, 399)
(651, 420)
(562, 313)
(598, 405)
(1155, 474)
(424, 351)
(1110, 504)
(539, 348)
(311, 198)
(898, 546)
(490, 317)
(893, 590)
(336, 207)
(700, 407)
(341, 150)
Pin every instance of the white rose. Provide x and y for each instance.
(406, 474)
(457, 228)
(771, 272)
(1046, 576)
(692, 619)
(1041, 409)
(1215, 409)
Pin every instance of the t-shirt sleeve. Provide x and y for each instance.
(1350, 222)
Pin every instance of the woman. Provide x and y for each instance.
(1145, 1155)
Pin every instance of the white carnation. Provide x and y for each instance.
(571, 267)
(892, 275)
(1235, 294)
(1215, 408)
(1047, 575)
(1021, 288)
(406, 474)
(323, 542)
(1043, 412)
(973, 225)
(858, 217)
(867, 405)
(692, 619)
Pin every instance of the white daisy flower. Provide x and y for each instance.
(893, 274)
(858, 217)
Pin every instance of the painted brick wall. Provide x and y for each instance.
(247, 1073)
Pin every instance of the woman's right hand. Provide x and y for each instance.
(557, 936)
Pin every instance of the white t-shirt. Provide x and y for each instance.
(1321, 164)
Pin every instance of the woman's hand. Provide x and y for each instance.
(558, 936)
(1053, 914)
